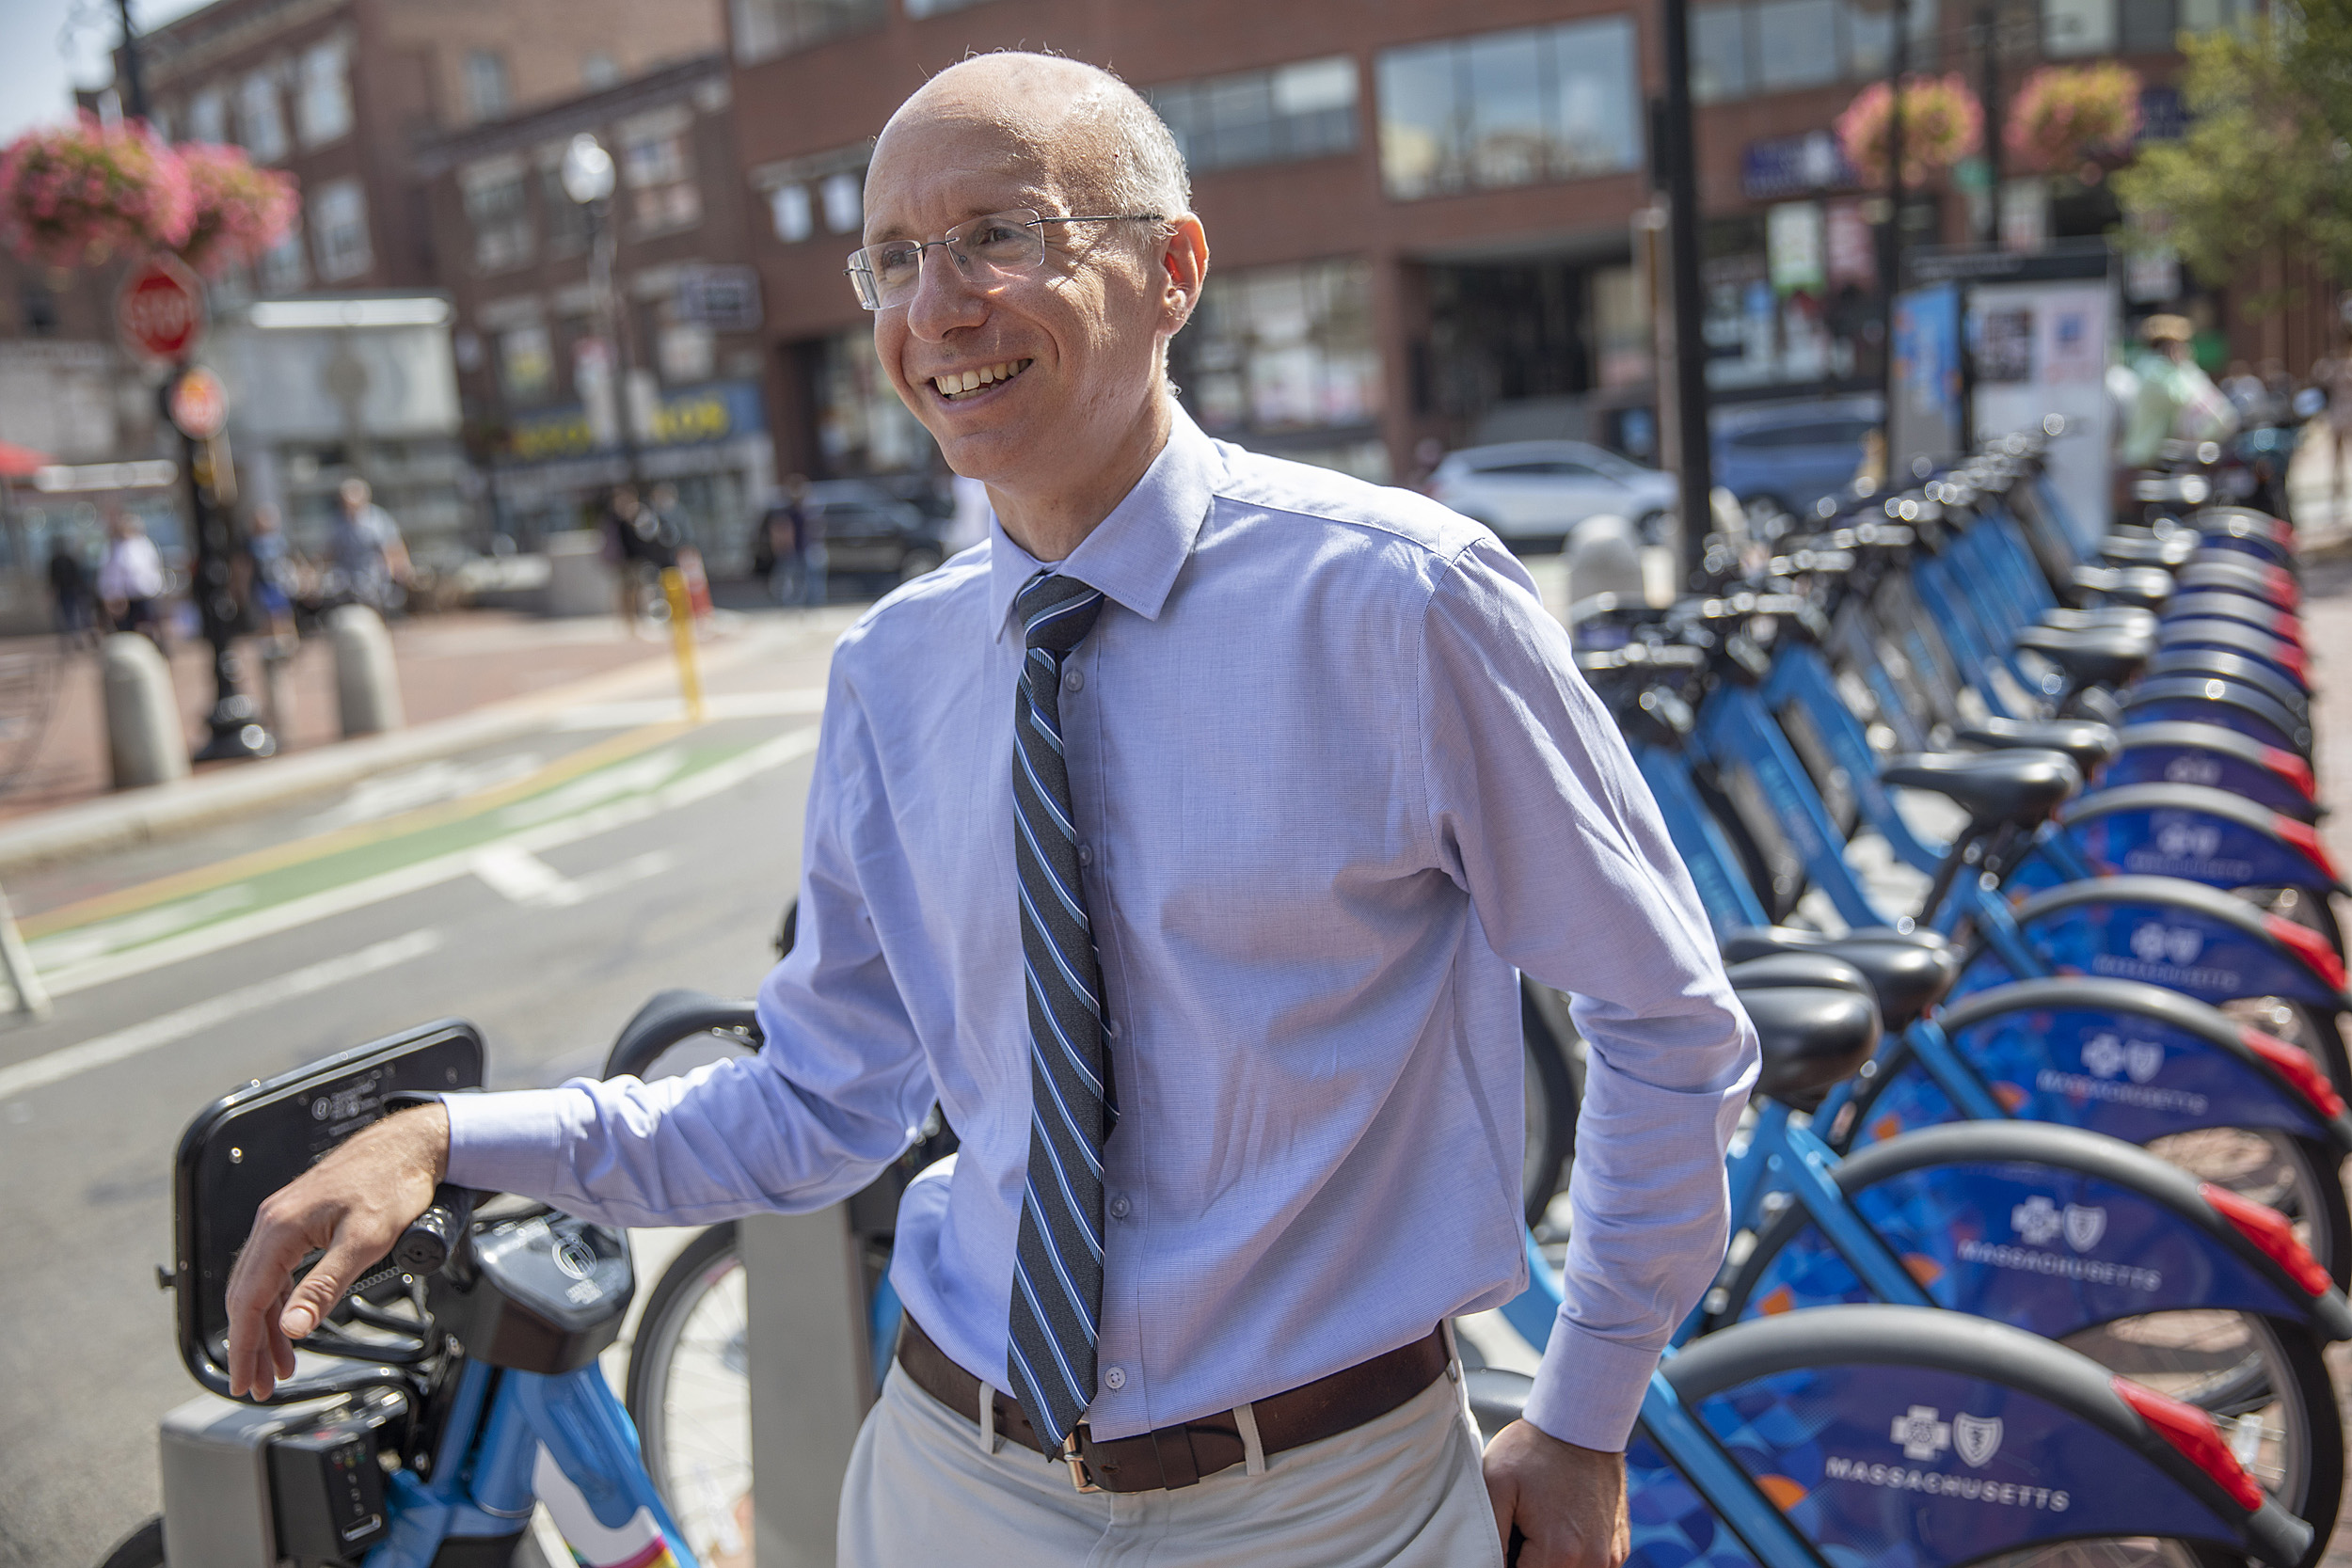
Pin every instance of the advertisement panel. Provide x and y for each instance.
(2042, 348)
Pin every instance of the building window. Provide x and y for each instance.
(861, 426)
(485, 83)
(1282, 351)
(765, 28)
(597, 70)
(159, 121)
(281, 269)
(339, 231)
(794, 220)
(322, 112)
(498, 207)
(526, 364)
(1755, 46)
(919, 8)
(686, 352)
(208, 117)
(659, 167)
(1509, 109)
(1305, 110)
(845, 202)
(566, 220)
(261, 125)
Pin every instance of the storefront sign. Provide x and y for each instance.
(713, 413)
(724, 298)
(1779, 167)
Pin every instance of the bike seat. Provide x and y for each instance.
(2113, 617)
(2017, 786)
(2145, 586)
(2097, 657)
(2124, 550)
(1811, 1035)
(670, 1017)
(1497, 1397)
(2092, 746)
(1908, 972)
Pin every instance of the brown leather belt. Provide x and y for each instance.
(1180, 1455)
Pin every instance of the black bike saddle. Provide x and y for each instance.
(2092, 746)
(1812, 1034)
(2018, 788)
(2095, 658)
(2124, 549)
(2148, 587)
(2113, 617)
(1908, 972)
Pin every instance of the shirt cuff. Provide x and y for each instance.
(508, 1142)
(1589, 1390)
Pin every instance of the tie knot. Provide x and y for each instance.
(1057, 612)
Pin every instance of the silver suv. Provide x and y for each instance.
(1537, 492)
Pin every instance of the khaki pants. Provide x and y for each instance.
(1402, 1492)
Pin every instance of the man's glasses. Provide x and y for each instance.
(985, 249)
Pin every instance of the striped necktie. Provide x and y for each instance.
(1058, 1264)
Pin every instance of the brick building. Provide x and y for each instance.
(1424, 224)
(544, 383)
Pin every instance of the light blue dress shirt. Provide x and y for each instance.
(1335, 775)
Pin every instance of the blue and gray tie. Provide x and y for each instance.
(1058, 1265)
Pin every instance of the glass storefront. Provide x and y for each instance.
(1284, 358)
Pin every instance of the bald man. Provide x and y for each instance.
(1180, 841)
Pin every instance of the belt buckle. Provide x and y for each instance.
(1076, 1461)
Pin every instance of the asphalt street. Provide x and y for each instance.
(541, 888)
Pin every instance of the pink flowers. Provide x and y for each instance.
(2065, 115)
(1943, 123)
(240, 210)
(85, 194)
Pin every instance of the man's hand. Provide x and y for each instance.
(352, 1206)
(1569, 1502)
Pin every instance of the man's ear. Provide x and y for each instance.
(1184, 263)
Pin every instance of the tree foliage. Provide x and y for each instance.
(2266, 161)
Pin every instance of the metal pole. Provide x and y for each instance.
(1989, 89)
(132, 79)
(235, 724)
(1891, 247)
(1695, 467)
(604, 243)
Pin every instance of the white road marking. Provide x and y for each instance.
(637, 776)
(85, 942)
(523, 878)
(66, 1061)
(666, 710)
(405, 879)
(372, 800)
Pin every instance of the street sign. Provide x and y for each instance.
(198, 403)
(161, 309)
(724, 298)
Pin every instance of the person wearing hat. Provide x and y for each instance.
(2176, 398)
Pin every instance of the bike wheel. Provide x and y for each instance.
(2294, 1176)
(2262, 1382)
(142, 1548)
(1554, 1090)
(689, 1390)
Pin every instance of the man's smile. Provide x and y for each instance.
(960, 386)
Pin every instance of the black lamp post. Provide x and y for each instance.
(588, 179)
(1695, 467)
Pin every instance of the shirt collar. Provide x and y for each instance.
(1134, 554)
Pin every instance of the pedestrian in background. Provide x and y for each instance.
(269, 571)
(131, 580)
(367, 552)
(69, 588)
(796, 546)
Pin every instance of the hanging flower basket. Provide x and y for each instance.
(1943, 123)
(2066, 115)
(76, 195)
(240, 210)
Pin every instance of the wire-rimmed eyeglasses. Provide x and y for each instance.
(1000, 244)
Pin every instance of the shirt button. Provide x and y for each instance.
(1086, 853)
(1115, 1378)
(1120, 1207)
(1073, 678)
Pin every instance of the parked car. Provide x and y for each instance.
(1535, 492)
(871, 532)
(1788, 455)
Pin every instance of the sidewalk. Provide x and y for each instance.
(466, 678)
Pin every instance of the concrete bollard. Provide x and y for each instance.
(1604, 557)
(367, 687)
(145, 741)
(278, 691)
(579, 581)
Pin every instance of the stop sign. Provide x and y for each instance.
(161, 311)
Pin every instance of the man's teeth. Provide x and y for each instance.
(955, 383)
